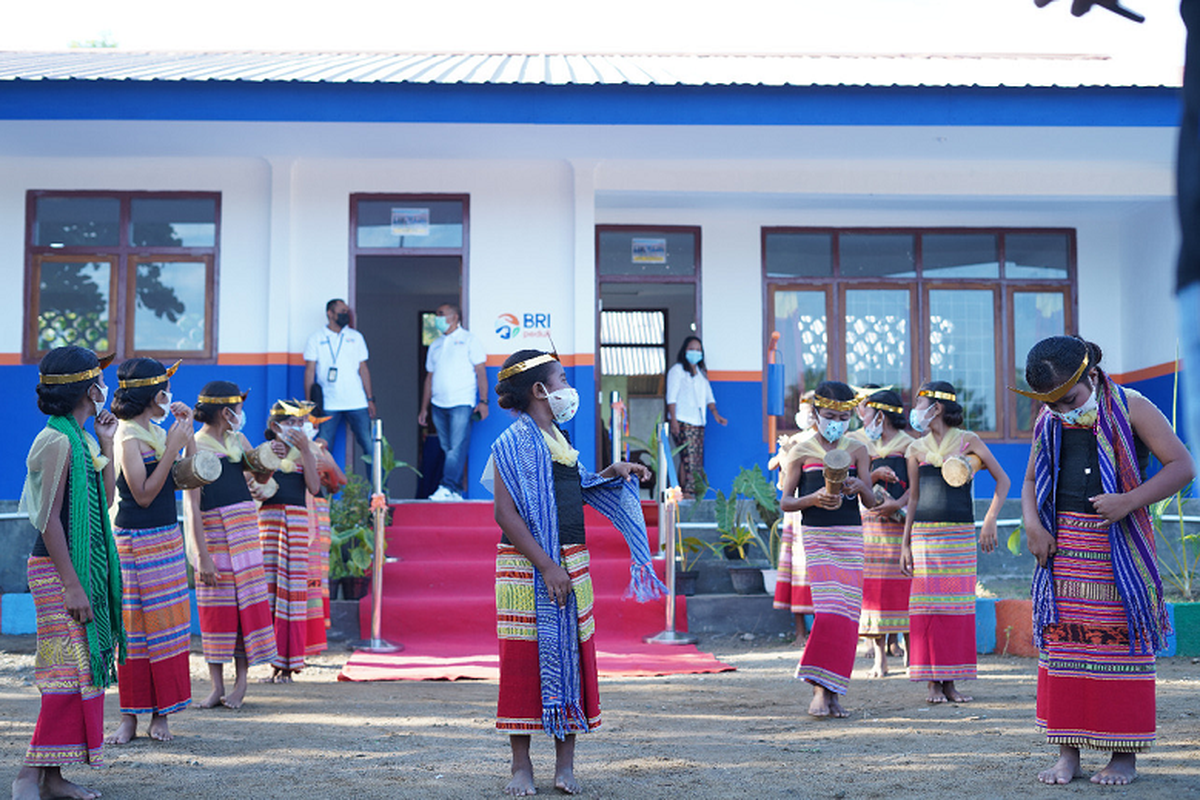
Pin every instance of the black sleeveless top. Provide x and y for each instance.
(815, 517)
(160, 513)
(1079, 469)
(228, 489)
(64, 515)
(941, 502)
(568, 496)
(899, 465)
(292, 490)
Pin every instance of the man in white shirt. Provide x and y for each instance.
(335, 358)
(456, 386)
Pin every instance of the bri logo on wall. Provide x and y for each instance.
(529, 325)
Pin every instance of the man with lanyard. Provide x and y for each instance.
(456, 385)
(335, 359)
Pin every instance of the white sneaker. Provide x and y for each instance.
(442, 494)
(455, 496)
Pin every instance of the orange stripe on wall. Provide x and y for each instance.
(260, 359)
(749, 376)
(10, 359)
(1145, 374)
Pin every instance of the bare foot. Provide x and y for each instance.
(880, 668)
(125, 733)
(159, 728)
(823, 702)
(835, 708)
(894, 648)
(1119, 772)
(936, 694)
(521, 784)
(55, 785)
(234, 699)
(26, 786)
(564, 781)
(285, 676)
(954, 695)
(214, 699)
(1065, 770)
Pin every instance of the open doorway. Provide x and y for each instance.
(395, 299)
(642, 326)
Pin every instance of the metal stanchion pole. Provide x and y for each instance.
(618, 426)
(378, 644)
(667, 503)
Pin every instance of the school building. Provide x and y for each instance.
(894, 218)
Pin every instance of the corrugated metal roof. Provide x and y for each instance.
(913, 69)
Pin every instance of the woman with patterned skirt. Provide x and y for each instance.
(885, 586)
(235, 618)
(792, 590)
(544, 618)
(74, 573)
(154, 679)
(332, 480)
(283, 528)
(831, 537)
(1098, 606)
(939, 544)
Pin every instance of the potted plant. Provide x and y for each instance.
(352, 539)
(688, 549)
(645, 452)
(739, 529)
(735, 521)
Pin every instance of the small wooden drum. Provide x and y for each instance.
(192, 472)
(958, 470)
(882, 496)
(262, 458)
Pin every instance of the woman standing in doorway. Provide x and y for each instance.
(689, 398)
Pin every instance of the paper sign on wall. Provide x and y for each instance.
(410, 221)
(649, 251)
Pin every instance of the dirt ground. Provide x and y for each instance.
(743, 733)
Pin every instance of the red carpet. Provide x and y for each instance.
(439, 601)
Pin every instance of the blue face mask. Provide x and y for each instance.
(919, 419)
(694, 357)
(832, 429)
(441, 323)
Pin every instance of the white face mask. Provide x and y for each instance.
(309, 429)
(239, 423)
(1083, 415)
(874, 430)
(832, 429)
(166, 407)
(920, 419)
(103, 399)
(563, 404)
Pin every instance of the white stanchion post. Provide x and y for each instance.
(377, 643)
(667, 505)
(618, 426)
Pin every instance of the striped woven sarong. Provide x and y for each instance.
(1092, 692)
(284, 532)
(941, 606)
(235, 618)
(792, 591)
(157, 613)
(519, 708)
(70, 724)
(318, 577)
(835, 568)
(885, 587)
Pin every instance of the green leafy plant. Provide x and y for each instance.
(389, 461)
(1175, 558)
(689, 550)
(735, 514)
(1014, 540)
(352, 535)
(650, 446)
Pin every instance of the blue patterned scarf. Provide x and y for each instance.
(522, 460)
(1131, 540)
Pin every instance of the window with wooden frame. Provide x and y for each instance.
(131, 272)
(897, 307)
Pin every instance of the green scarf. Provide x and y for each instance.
(94, 555)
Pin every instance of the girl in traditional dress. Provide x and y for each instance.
(154, 679)
(332, 480)
(283, 527)
(939, 544)
(885, 587)
(74, 573)
(543, 588)
(831, 537)
(792, 590)
(235, 618)
(689, 399)
(1097, 595)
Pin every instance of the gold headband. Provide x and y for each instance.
(886, 407)
(527, 364)
(1055, 394)
(300, 408)
(76, 377)
(836, 405)
(134, 383)
(227, 400)
(948, 396)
